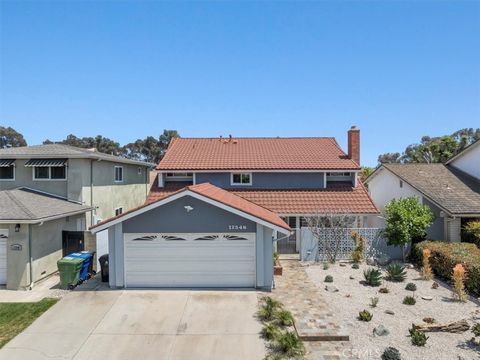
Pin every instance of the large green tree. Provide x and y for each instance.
(102, 144)
(406, 219)
(9, 137)
(434, 149)
(150, 149)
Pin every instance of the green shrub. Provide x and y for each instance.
(270, 331)
(373, 277)
(268, 308)
(476, 329)
(411, 287)
(328, 279)
(284, 317)
(365, 315)
(396, 272)
(444, 256)
(391, 353)
(290, 344)
(418, 338)
(276, 257)
(356, 266)
(409, 300)
(471, 232)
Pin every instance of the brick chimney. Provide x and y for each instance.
(354, 144)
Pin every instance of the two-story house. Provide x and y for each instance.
(451, 190)
(50, 194)
(218, 203)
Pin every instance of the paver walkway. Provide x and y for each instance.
(315, 323)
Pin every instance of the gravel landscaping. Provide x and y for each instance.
(353, 296)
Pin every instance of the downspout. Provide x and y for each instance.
(30, 258)
(91, 193)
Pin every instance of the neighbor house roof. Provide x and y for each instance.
(211, 192)
(315, 153)
(449, 188)
(25, 205)
(299, 201)
(50, 151)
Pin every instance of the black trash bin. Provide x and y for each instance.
(104, 267)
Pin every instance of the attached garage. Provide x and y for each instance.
(199, 237)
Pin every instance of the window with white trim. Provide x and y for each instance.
(49, 173)
(241, 179)
(7, 172)
(118, 173)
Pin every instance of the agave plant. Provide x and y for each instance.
(373, 277)
(365, 315)
(396, 273)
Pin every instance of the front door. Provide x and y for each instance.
(72, 242)
(288, 245)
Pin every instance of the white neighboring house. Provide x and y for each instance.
(452, 191)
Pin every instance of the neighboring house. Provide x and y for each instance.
(105, 185)
(217, 202)
(452, 191)
(31, 226)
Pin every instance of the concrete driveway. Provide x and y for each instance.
(144, 324)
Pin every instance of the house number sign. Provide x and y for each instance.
(237, 227)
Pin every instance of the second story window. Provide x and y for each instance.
(48, 169)
(118, 173)
(241, 179)
(7, 170)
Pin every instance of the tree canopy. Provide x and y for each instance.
(433, 149)
(9, 137)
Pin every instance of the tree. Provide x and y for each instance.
(365, 172)
(9, 137)
(406, 219)
(102, 144)
(330, 229)
(434, 149)
(150, 149)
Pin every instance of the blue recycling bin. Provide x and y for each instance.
(87, 258)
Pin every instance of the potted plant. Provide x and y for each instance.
(277, 267)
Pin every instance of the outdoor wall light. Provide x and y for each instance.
(188, 208)
(17, 228)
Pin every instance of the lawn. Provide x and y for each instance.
(16, 317)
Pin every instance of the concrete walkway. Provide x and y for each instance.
(144, 324)
(315, 323)
(44, 288)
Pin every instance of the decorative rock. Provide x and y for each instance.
(389, 312)
(342, 264)
(380, 330)
(383, 259)
(409, 266)
(331, 288)
(428, 298)
(435, 285)
(370, 261)
(429, 320)
(352, 277)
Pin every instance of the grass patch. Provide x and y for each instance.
(16, 317)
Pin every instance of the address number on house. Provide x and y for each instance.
(237, 227)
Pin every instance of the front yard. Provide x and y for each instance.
(348, 295)
(16, 317)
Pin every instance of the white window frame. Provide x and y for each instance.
(115, 174)
(240, 184)
(49, 174)
(14, 173)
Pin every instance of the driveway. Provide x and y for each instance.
(144, 324)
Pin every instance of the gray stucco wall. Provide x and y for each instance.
(173, 218)
(46, 249)
(437, 230)
(265, 180)
(264, 257)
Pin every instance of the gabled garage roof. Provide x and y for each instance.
(213, 195)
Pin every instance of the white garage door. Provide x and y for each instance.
(189, 260)
(3, 256)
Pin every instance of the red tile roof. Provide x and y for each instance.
(217, 194)
(255, 154)
(341, 197)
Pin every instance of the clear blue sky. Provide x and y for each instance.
(125, 70)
